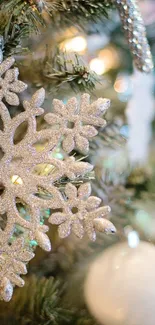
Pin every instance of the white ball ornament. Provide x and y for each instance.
(120, 285)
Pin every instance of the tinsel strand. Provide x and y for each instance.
(135, 32)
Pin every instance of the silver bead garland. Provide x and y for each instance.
(135, 32)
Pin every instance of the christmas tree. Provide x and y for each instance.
(77, 176)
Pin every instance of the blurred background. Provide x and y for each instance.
(110, 281)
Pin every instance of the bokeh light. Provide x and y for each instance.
(98, 66)
(75, 44)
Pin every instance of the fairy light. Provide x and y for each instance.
(98, 66)
(107, 59)
(75, 44)
(132, 237)
(121, 85)
(110, 57)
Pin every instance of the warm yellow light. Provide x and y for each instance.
(98, 66)
(110, 57)
(16, 180)
(70, 32)
(75, 44)
(121, 85)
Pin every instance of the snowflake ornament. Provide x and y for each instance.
(10, 85)
(73, 209)
(75, 123)
(81, 213)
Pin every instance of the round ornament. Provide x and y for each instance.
(120, 285)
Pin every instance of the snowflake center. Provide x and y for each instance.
(74, 210)
(70, 125)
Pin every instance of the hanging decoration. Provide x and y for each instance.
(131, 18)
(135, 32)
(119, 285)
(73, 209)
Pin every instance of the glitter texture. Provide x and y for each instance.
(72, 209)
(81, 213)
(135, 32)
(76, 123)
(10, 85)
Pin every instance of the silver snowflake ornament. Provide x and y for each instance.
(21, 183)
(81, 213)
(12, 263)
(10, 85)
(76, 122)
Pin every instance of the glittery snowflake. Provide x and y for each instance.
(76, 123)
(81, 213)
(72, 209)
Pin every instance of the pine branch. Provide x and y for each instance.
(58, 70)
(40, 302)
(72, 71)
(17, 21)
(111, 181)
(78, 10)
(73, 9)
(109, 136)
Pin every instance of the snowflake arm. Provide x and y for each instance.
(10, 85)
(81, 213)
(76, 123)
(77, 211)
(12, 264)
